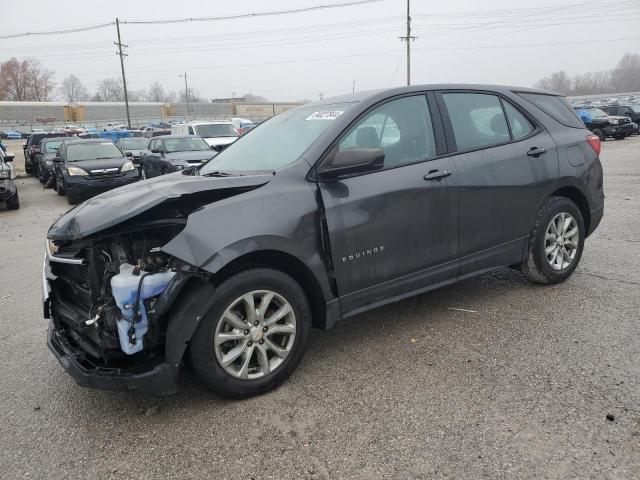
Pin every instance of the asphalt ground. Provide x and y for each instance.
(493, 377)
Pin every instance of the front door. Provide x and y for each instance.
(393, 231)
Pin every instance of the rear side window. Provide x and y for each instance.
(520, 125)
(556, 107)
(477, 120)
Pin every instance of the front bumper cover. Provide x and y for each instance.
(159, 380)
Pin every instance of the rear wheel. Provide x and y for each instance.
(13, 203)
(59, 188)
(556, 242)
(254, 336)
(598, 132)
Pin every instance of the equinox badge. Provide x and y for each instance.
(364, 253)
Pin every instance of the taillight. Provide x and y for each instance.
(595, 143)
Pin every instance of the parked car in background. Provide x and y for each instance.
(133, 147)
(32, 148)
(150, 132)
(218, 134)
(8, 188)
(173, 153)
(10, 135)
(84, 168)
(323, 212)
(604, 125)
(242, 125)
(44, 167)
(630, 110)
(111, 126)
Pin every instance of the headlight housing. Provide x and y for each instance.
(614, 122)
(73, 171)
(127, 167)
(179, 167)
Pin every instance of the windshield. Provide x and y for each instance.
(134, 143)
(186, 144)
(92, 151)
(278, 142)
(596, 113)
(51, 147)
(216, 130)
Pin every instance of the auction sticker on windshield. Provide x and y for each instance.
(325, 115)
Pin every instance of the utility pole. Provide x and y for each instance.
(409, 38)
(186, 93)
(124, 79)
(353, 87)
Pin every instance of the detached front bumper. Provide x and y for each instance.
(85, 188)
(160, 380)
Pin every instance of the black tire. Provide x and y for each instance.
(13, 203)
(598, 132)
(28, 169)
(59, 189)
(536, 266)
(202, 357)
(619, 137)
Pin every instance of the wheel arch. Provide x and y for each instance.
(574, 194)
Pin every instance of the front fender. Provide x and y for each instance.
(281, 216)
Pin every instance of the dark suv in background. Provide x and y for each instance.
(604, 125)
(631, 111)
(32, 148)
(320, 213)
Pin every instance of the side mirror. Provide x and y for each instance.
(57, 159)
(352, 162)
(128, 154)
(9, 157)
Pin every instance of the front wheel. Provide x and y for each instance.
(555, 243)
(254, 335)
(598, 132)
(13, 203)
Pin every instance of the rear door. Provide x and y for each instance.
(506, 164)
(395, 230)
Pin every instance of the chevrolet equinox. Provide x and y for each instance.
(320, 213)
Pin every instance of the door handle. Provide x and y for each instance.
(536, 151)
(437, 175)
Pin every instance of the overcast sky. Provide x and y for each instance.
(297, 56)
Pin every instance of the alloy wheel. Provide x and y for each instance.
(255, 334)
(561, 241)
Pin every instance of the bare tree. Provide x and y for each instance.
(558, 82)
(194, 96)
(72, 90)
(25, 81)
(156, 93)
(626, 76)
(251, 98)
(109, 90)
(592, 83)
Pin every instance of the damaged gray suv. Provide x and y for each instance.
(320, 213)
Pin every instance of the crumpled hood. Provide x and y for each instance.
(116, 206)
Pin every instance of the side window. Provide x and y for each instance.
(477, 120)
(556, 107)
(520, 125)
(191, 131)
(402, 128)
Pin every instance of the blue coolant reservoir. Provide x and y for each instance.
(124, 287)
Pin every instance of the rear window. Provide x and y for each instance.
(556, 107)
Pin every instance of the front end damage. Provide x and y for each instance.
(110, 295)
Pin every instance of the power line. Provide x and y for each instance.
(251, 15)
(194, 19)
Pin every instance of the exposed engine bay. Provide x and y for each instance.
(113, 304)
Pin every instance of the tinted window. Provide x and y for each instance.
(92, 151)
(279, 141)
(135, 143)
(520, 125)
(186, 144)
(556, 107)
(402, 128)
(477, 120)
(216, 130)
